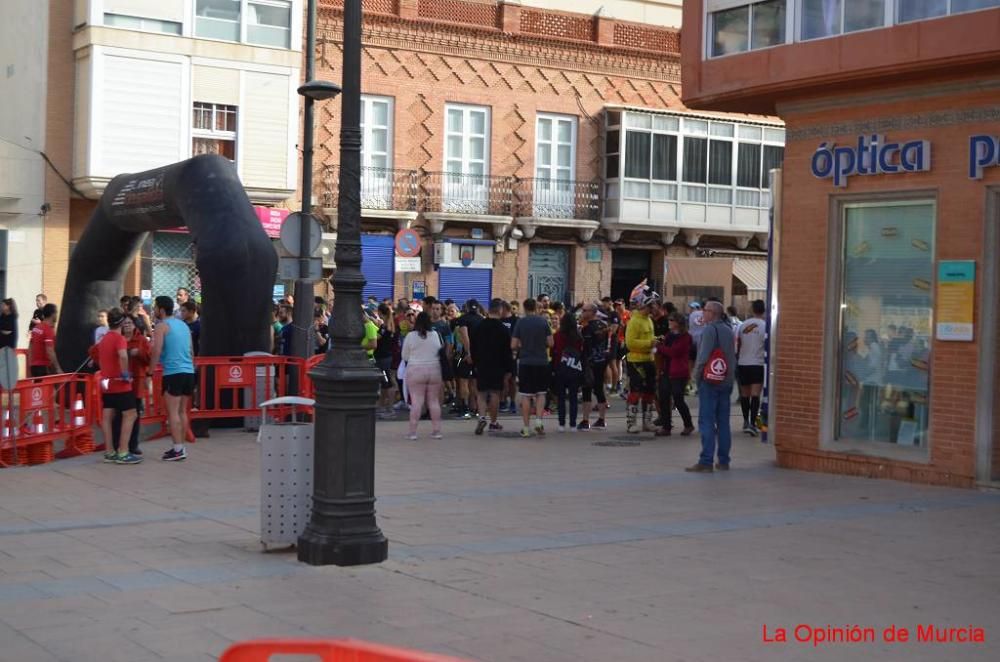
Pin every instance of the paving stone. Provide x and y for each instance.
(541, 550)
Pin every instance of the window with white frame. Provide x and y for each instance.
(376, 152)
(736, 26)
(466, 139)
(670, 158)
(555, 165)
(141, 23)
(213, 130)
(376, 132)
(260, 22)
(466, 158)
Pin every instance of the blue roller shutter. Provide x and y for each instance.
(377, 265)
(462, 284)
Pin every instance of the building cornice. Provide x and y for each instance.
(486, 44)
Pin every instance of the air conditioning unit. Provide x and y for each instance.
(327, 249)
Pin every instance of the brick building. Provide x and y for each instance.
(541, 151)
(887, 242)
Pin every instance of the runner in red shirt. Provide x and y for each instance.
(42, 359)
(116, 391)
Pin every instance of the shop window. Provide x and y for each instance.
(748, 27)
(213, 130)
(886, 311)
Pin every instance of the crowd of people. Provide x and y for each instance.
(537, 356)
(126, 343)
(531, 358)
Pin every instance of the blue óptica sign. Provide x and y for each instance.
(984, 152)
(871, 155)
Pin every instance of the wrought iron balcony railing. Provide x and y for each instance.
(557, 198)
(381, 188)
(465, 193)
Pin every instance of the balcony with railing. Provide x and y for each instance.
(384, 192)
(562, 203)
(450, 197)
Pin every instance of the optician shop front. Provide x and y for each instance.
(886, 246)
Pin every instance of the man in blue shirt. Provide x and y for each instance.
(172, 348)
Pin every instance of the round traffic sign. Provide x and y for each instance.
(291, 233)
(407, 243)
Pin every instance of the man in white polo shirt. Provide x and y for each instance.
(750, 339)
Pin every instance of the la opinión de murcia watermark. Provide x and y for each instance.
(831, 635)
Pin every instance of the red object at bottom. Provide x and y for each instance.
(326, 650)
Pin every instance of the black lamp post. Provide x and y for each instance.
(313, 91)
(342, 530)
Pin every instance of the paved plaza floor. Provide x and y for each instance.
(501, 549)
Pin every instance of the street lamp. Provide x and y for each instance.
(312, 90)
(342, 530)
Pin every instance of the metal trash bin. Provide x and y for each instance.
(286, 474)
(264, 391)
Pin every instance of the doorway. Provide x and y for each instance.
(628, 268)
(548, 272)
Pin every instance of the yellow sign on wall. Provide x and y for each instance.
(956, 298)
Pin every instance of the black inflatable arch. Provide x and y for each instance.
(234, 256)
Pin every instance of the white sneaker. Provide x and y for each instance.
(560, 428)
(412, 437)
(437, 435)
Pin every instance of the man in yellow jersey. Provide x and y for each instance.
(639, 361)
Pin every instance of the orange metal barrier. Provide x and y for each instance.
(42, 411)
(326, 650)
(308, 388)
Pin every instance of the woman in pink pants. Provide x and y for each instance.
(423, 374)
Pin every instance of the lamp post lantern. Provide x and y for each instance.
(342, 529)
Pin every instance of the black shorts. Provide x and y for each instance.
(40, 371)
(490, 381)
(180, 384)
(748, 375)
(463, 369)
(118, 401)
(597, 370)
(385, 367)
(533, 379)
(641, 377)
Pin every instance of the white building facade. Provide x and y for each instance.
(22, 139)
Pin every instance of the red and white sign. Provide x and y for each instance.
(271, 219)
(37, 400)
(233, 375)
(407, 243)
